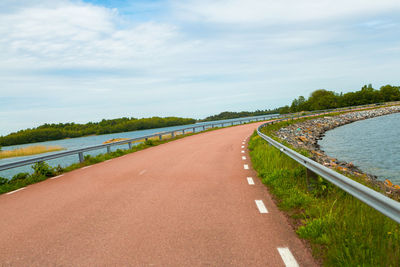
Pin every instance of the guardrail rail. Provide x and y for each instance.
(129, 142)
(204, 127)
(374, 199)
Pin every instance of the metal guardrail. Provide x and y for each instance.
(129, 142)
(374, 199)
(214, 124)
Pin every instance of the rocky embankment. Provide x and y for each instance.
(305, 135)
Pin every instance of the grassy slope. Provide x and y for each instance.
(342, 230)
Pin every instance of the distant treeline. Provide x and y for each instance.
(47, 132)
(232, 115)
(319, 99)
(323, 99)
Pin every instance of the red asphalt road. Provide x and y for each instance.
(184, 203)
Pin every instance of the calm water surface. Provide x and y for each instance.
(373, 145)
(81, 142)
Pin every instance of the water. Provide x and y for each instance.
(373, 145)
(81, 142)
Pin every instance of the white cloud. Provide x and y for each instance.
(72, 61)
(282, 11)
(77, 35)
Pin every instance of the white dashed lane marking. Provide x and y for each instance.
(15, 191)
(250, 181)
(242, 146)
(57, 176)
(246, 167)
(242, 151)
(288, 257)
(243, 158)
(261, 207)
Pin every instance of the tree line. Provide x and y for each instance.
(319, 99)
(232, 115)
(48, 132)
(324, 99)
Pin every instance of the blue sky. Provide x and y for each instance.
(72, 60)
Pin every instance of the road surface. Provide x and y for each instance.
(190, 202)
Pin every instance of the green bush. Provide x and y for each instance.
(149, 142)
(59, 169)
(3, 181)
(43, 169)
(19, 176)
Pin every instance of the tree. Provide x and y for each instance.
(390, 93)
(284, 110)
(322, 99)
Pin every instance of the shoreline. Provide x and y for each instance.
(305, 135)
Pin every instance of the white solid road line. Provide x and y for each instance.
(250, 181)
(56, 177)
(246, 167)
(242, 151)
(261, 207)
(287, 257)
(243, 158)
(86, 167)
(15, 191)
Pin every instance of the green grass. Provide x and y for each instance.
(341, 230)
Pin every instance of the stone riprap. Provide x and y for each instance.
(305, 135)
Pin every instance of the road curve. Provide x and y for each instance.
(184, 203)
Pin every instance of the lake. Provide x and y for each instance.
(373, 145)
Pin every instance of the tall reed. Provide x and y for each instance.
(27, 151)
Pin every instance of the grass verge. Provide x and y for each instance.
(341, 230)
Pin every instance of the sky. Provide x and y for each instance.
(81, 61)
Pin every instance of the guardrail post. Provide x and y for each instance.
(108, 149)
(204, 128)
(160, 136)
(146, 139)
(183, 131)
(194, 130)
(81, 159)
(130, 145)
(172, 134)
(311, 179)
